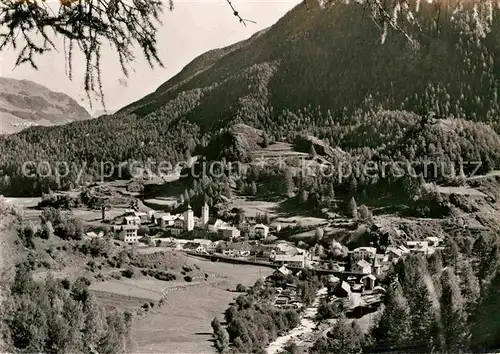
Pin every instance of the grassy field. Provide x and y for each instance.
(161, 202)
(279, 149)
(130, 294)
(182, 324)
(253, 207)
(301, 220)
(27, 205)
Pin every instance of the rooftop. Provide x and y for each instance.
(366, 249)
(362, 263)
(284, 270)
(287, 258)
(191, 245)
(202, 241)
(131, 217)
(236, 246)
(396, 251)
(261, 226)
(129, 227)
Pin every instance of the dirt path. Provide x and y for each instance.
(306, 326)
(488, 175)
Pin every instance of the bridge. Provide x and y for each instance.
(216, 257)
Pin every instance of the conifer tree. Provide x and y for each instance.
(394, 326)
(353, 209)
(470, 288)
(312, 151)
(221, 336)
(453, 312)
(485, 328)
(253, 188)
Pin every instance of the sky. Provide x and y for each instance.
(192, 28)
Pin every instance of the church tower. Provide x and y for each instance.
(205, 215)
(189, 219)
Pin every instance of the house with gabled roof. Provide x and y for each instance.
(393, 254)
(362, 266)
(283, 271)
(364, 252)
(128, 233)
(235, 249)
(300, 261)
(369, 281)
(342, 289)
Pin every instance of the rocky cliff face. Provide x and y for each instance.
(24, 103)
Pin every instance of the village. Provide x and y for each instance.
(353, 278)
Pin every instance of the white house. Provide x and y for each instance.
(218, 224)
(209, 245)
(235, 249)
(364, 252)
(132, 220)
(362, 266)
(230, 232)
(129, 233)
(140, 214)
(167, 220)
(179, 222)
(393, 254)
(300, 261)
(433, 241)
(418, 247)
(156, 217)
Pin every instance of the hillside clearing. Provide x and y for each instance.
(253, 207)
(182, 325)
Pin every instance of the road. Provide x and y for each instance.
(306, 326)
(488, 175)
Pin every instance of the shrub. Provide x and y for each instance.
(128, 273)
(66, 283)
(241, 288)
(188, 278)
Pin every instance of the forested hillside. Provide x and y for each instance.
(320, 72)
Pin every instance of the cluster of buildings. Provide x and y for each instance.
(176, 224)
(368, 261)
(365, 263)
(287, 296)
(280, 253)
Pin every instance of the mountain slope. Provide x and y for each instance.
(24, 103)
(333, 58)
